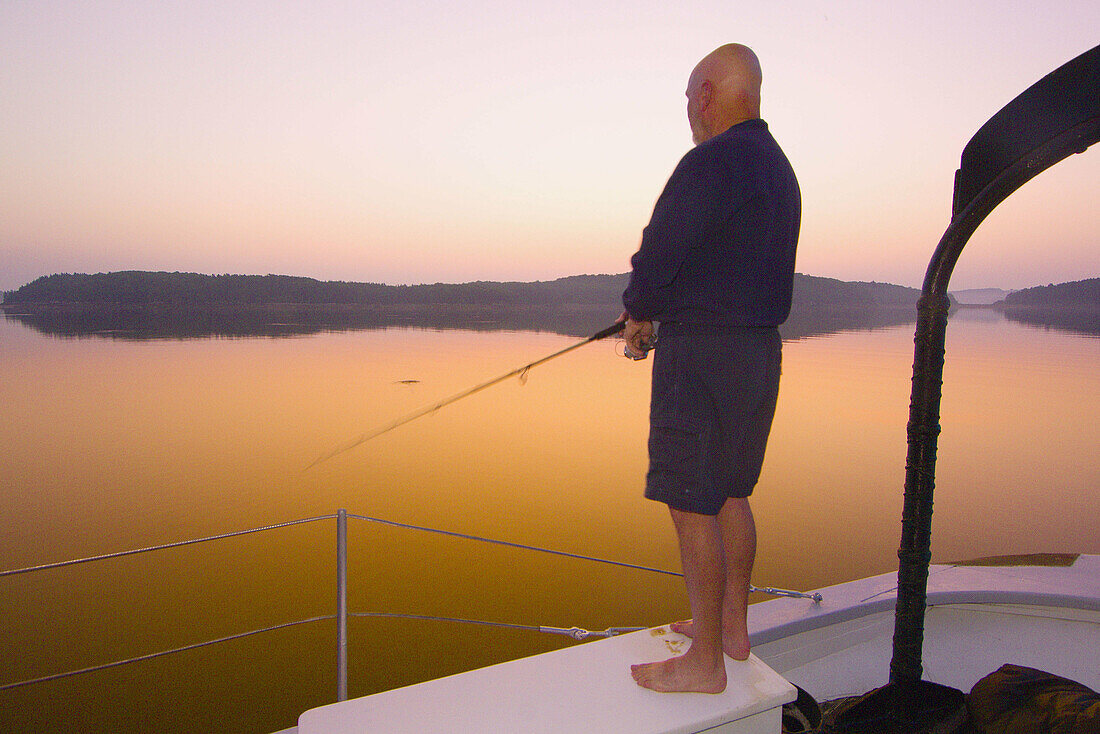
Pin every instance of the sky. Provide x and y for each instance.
(420, 142)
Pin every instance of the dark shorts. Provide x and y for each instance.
(711, 409)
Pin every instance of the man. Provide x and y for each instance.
(715, 269)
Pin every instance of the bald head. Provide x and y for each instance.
(723, 90)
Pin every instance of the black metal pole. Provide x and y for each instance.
(914, 553)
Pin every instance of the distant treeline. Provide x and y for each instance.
(1079, 293)
(1067, 306)
(140, 288)
(192, 289)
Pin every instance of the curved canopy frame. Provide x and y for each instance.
(1054, 118)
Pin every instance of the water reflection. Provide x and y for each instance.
(140, 324)
(1084, 321)
(149, 323)
(109, 443)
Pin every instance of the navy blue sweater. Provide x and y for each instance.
(720, 246)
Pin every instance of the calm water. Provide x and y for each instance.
(109, 444)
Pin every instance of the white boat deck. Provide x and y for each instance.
(581, 689)
(978, 618)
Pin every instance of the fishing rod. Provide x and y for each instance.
(521, 371)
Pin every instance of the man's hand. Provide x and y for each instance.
(638, 336)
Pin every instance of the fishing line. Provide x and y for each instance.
(522, 372)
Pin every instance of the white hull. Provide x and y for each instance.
(978, 618)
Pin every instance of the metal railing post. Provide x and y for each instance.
(341, 605)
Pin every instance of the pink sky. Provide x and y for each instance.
(435, 141)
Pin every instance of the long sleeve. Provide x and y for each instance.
(719, 247)
(686, 212)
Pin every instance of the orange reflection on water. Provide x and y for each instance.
(108, 445)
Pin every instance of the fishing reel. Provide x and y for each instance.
(647, 346)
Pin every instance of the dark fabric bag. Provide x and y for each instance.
(802, 715)
(919, 707)
(1019, 700)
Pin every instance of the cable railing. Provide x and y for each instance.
(342, 613)
(164, 546)
(162, 653)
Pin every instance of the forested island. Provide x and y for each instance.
(1071, 306)
(146, 305)
(1078, 294)
(141, 288)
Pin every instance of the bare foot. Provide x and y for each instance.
(736, 646)
(681, 674)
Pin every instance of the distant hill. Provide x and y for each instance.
(811, 290)
(1078, 294)
(188, 289)
(1068, 306)
(140, 288)
(979, 296)
(148, 305)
